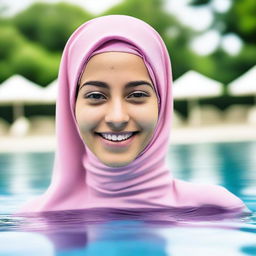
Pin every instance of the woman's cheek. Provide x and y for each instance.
(148, 115)
(87, 118)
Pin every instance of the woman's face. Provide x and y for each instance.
(116, 107)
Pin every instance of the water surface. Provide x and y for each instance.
(189, 231)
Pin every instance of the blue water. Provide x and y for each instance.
(119, 232)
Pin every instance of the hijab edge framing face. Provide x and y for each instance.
(115, 65)
(132, 47)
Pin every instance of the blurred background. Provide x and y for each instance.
(212, 46)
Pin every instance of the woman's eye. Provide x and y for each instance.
(138, 95)
(95, 96)
(99, 96)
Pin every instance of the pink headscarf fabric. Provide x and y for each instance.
(80, 180)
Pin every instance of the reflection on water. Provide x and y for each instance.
(113, 232)
(135, 232)
(232, 165)
(24, 173)
(189, 231)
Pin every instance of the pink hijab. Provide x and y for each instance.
(80, 180)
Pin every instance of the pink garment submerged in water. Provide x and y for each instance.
(80, 180)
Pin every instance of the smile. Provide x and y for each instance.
(117, 137)
(117, 140)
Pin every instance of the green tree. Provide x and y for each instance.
(34, 62)
(10, 41)
(18, 55)
(32, 41)
(240, 20)
(50, 24)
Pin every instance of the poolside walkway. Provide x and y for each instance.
(181, 135)
(214, 133)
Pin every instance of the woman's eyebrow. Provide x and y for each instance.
(128, 85)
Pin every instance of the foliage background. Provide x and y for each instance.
(32, 41)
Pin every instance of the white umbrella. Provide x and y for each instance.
(245, 84)
(192, 86)
(50, 92)
(18, 90)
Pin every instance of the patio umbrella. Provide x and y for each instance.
(245, 85)
(18, 90)
(50, 92)
(191, 86)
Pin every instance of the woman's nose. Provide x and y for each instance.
(117, 117)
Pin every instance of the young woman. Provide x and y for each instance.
(113, 120)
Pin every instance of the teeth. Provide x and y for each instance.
(116, 137)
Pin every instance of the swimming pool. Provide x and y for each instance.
(108, 232)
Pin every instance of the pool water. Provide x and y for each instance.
(137, 232)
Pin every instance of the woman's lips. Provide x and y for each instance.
(117, 144)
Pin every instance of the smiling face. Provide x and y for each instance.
(115, 99)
